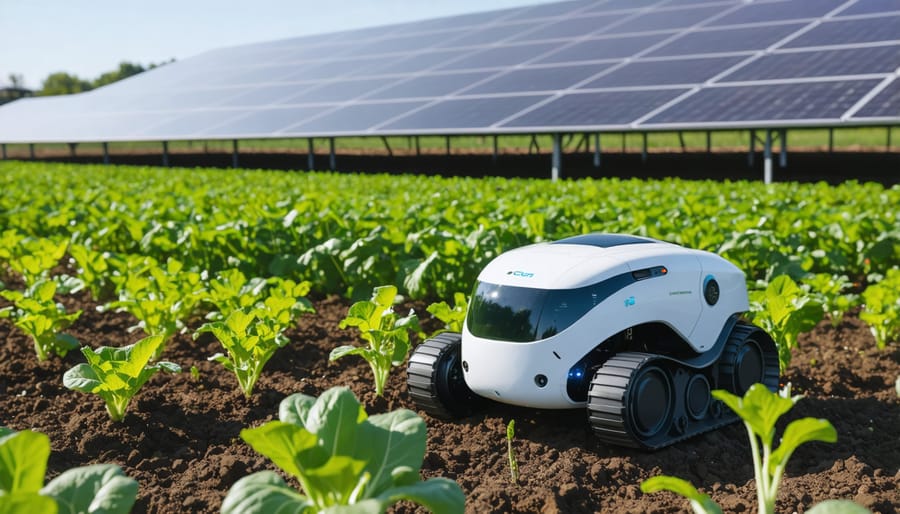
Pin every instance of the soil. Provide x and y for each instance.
(180, 438)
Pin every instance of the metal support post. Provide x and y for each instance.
(72, 147)
(557, 158)
(165, 156)
(387, 146)
(767, 163)
(496, 149)
(105, 153)
(418, 147)
(3, 146)
(534, 145)
(681, 141)
(31, 150)
(234, 154)
(887, 149)
(750, 154)
(830, 140)
(311, 154)
(708, 141)
(448, 146)
(332, 159)
(782, 158)
(623, 142)
(597, 150)
(644, 147)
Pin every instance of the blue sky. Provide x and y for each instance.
(89, 37)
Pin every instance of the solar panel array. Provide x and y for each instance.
(584, 65)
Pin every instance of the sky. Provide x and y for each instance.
(89, 37)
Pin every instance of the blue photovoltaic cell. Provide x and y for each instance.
(264, 95)
(402, 44)
(538, 79)
(486, 36)
(334, 69)
(339, 90)
(822, 63)
(430, 85)
(839, 32)
(265, 121)
(258, 75)
(595, 109)
(675, 71)
(569, 28)
(871, 7)
(757, 37)
(796, 101)
(416, 62)
(669, 19)
(466, 113)
(354, 118)
(618, 5)
(778, 11)
(886, 104)
(192, 122)
(500, 56)
(605, 48)
(465, 20)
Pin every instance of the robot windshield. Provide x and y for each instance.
(524, 314)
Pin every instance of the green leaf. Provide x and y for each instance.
(700, 503)
(27, 503)
(95, 489)
(23, 461)
(343, 351)
(798, 432)
(295, 408)
(759, 408)
(334, 419)
(439, 495)
(395, 439)
(264, 493)
(81, 378)
(289, 446)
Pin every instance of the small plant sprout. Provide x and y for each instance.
(784, 311)
(882, 309)
(116, 374)
(41, 318)
(511, 452)
(453, 317)
(98, 488)
(386, 333)
(760, 410)
(346, 461)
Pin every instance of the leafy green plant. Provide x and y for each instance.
(160, 297)
(94, 269)
(345, 461)
(785, 311)
(95, 489)
(117, 374)
(33, 258)
(511, 452)
(37, 314)
(882, 308)
(453, 317)
(386, 333)
(230, 290)
(760, 410)
(828, 290)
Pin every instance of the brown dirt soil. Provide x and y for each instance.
(181, 441)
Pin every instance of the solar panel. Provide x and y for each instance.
(579, 65)
(796, 101)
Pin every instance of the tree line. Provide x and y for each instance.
(62, 83)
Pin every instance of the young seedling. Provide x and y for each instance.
(41, 318)
(882, 309)
(511, 452)
(117, 374)
(828, 290)
(98, 488)
(760, 410)
(345, 461)
(453, 317)
(250, 339)
(387, 334)
(93, 270)
(784, 311)
(34, 258)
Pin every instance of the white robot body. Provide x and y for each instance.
(588, 289)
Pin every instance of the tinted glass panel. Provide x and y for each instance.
(675, 71)
(884, 104)
(354, 118)
(595, 109)
(539, 79)
(606, 48)
(569, 28)
(430, 85)
(671, 19)
(773, 11)
(871, 6)
(464, 113)
(851, 61)
(886, 28)
(265, 121)
(500, 56)
(727, 40)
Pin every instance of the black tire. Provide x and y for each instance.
(435, 378)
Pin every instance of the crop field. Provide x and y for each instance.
(235, 288)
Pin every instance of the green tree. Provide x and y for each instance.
(62, 83)
(126, 69)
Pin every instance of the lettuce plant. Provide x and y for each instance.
(828, 290)
(453, 317)
(760, 410)
(785, 311)
(882, 309)
(117, 374)
(386, 333)
(41, 318)
(93, 269)
(34, 258)
(94, 489)
(345, 461)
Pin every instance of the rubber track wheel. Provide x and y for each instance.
(750, 356)
(435, 378)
